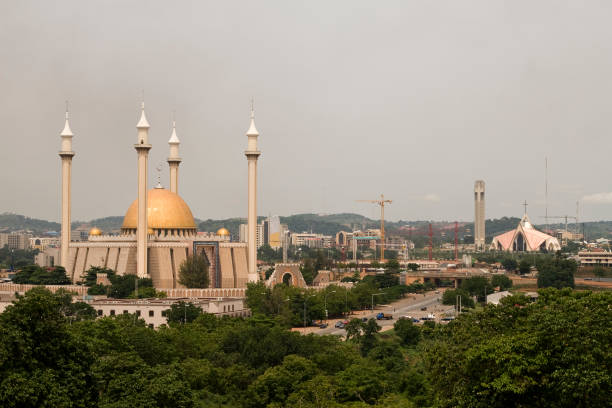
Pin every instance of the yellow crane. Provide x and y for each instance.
(382, 203)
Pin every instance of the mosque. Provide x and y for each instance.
(158, 231)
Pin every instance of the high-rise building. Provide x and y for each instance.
(479, 215)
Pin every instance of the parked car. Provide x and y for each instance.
(384, 316)
(339, 325)
(323, 325)
(364, 319)
(424, 308)
(447, 319)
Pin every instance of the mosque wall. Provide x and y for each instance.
(240, 259)
(160, 268)
(227, 267)
(113, 257)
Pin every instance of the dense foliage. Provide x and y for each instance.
(36, 275)
(551, 353)
(16, 258)
(557, 272)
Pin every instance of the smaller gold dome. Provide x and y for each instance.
(95, 231)
(223, 232)
(150, 231)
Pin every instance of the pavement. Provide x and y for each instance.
(410, 305)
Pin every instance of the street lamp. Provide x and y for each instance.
(375, 294)
(333, 291)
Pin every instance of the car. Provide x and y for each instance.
(339, 325)
(424, 308)
(415, 320)
(448, 319)
(408, 317)
(364, 319)
(588, 278)
(323, 326)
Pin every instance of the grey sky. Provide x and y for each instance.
(414, 99)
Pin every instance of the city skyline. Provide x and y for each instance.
(446, 106)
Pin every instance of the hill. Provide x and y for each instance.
(15, 222)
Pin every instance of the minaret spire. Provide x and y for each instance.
(66, 155)
(142, 147)
(252, 154)
(174, 160)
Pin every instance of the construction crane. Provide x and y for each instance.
(382, 203)
(563, 217)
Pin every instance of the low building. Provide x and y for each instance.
(153, 311)
(595, 258)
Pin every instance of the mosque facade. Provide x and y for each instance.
(159, 231)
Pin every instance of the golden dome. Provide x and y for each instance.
(165, 210)
(223, 232)
(95, 231)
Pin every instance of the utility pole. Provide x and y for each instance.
(456, 231)
(381, 203)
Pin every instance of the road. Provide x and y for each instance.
(411, 305)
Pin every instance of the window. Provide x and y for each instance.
(112, 312)
(151, 313)
(151, 326)
(164, 313)
(99, 312)
(232, 308)
(223, 309)
(125, 312)
(138, 313)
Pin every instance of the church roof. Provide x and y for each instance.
(532, 236)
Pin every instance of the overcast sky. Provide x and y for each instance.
(413, 99)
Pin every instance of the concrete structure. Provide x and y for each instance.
(525, 238)
(252, 155)
(142, 147)
(595, 258)
(174, 159)
(48, 258)
(153, 311)
(479, 215)
(15, 240)
(42, 243)
(66, 155)
(288, 274)
(494, 298)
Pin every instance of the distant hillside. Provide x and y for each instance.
(14, 222)
(328, 224)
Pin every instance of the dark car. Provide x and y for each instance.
(364, 319)
(424, 308)
(339, 325)
(323, 325)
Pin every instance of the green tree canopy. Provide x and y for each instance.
(35, 275)
(193, 272)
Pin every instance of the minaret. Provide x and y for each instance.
(252, 155)
(174, 160)
(142, 148)
(479, 215)
(66, 154)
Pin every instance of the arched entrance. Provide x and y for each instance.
(287, 279)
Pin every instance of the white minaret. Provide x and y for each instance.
(66, 154)
(252, 155)
(479, 215)
(142, 148)
(174, 160)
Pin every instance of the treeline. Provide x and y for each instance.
(554, 352)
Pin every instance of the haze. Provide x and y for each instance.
(413, 99)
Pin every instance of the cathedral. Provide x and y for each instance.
(525, 238)
(158, 231)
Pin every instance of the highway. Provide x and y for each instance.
(406, 306)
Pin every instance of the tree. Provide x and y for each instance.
(193, 272)
(353, 329)
(502, 281)
(450, 298)
(477, 286)
(41, 362)
(392, 265)
(551, 353)
(35, 275)
(557, 272)
(183, 312)
(412, 266)
(509, 264)
(90, 277)
(408, 333)
(524, 266)
(123, 287)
